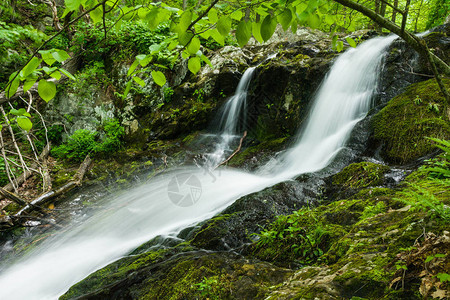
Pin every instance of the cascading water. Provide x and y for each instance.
(138, 215)
(233, 115)
(344, 98)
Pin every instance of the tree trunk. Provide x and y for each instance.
(394, 12)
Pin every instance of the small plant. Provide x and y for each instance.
(168, 93)
(83, 142)
(207, 287)
(417, 100)
(300, 236)
(433, 107)
(200, 94)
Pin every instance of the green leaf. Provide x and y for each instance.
(224, 26)
(60, 55)
(127, 89)
(14, 112)
(47, 57)
(172, 45)
(159, 78)
(314, 21)
(351, 42)
(133, 67)
(30, 67)
(294, 26)
(443, 277)
(185, 21)
(207, 61)
(212, 15)
(11, 89)
(215, 34)
(184, 38)
(256, 30)
(268, 27)
(329, 19)
(243, 33)
(154, 18)
(96, 14)
(429, 258)
(340, 46)
(285, 19)
(47, 90)
(237, 15)
(24, 123)
(72, 4)
(194, 64)
(139, 81)
(67, 73)
(334, 41)
(56, 75)
(28, 84)
(193, 46)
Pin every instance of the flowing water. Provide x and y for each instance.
(232, 120)
(144, 212)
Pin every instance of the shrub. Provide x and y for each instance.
(84, 142)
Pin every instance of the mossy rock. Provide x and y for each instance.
(193, 275)
(403, 125)
(361, 175)
(255, 156)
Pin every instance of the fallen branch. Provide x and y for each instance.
(25, 175)
(13, 197)
(235, 152)
(43, 199)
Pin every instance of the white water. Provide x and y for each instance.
(233, 115)
(144, 212)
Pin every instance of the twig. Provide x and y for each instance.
(234, 153)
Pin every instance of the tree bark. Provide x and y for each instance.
(394, 11)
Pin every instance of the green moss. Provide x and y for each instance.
(112, 273)
(421, 111)
(262, 150)
(360, 175)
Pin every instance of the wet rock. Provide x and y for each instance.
(402, 127)
(190, 275)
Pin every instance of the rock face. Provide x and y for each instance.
(402, 127)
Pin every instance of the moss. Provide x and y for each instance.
(209, 236)
(421, 111)
(360, 175)
(262, 151)
(112, 273)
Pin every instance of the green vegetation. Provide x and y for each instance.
(405, 122)
(83, 142)
(360, 175)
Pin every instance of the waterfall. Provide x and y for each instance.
(343, 99)
(183, 197)
(232, 117)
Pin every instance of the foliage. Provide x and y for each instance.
(3, 175)
(78, 145)
(54, 135)
(15, 42)
(83, 142)
(438, 13)
(438, 172)
(207, 286)
(300, 237)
